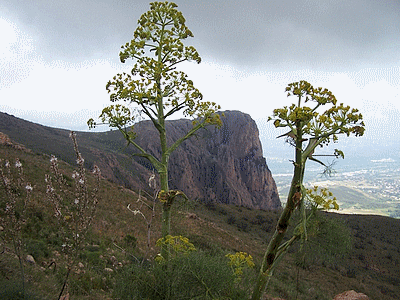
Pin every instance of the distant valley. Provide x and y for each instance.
(367, 181)
(371, 188)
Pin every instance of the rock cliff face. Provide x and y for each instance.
(223, 165)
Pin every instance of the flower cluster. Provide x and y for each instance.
(322, 127)
(321, 198)
(238, 262)
(176, 244)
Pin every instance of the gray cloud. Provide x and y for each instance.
(307, 33)
(257, 34)
(74, 29)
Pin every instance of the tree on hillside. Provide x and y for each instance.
(309, 128)
(158, 90)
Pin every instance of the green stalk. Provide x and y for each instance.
(166, 214)
(17, 248)
(271, 254)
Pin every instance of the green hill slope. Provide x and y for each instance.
(346, 252)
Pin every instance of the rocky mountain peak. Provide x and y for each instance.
(220, 164)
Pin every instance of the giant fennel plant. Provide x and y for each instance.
(314, 120)
(155, 88)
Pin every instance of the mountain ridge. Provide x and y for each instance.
(223, 165)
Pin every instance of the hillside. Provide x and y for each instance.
(224, 165)
(346, 252)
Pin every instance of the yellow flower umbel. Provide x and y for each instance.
(238, 261)
(322, 198)
(176, 245)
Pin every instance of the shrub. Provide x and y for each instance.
(37, 248)
(203, 243)
(231, 220)
(194, 276)
(242, 225)
(92, 258)
(130, 241)
(87, 282)
(222, 211)
(210, 205)
(15, 291)
(351, 273)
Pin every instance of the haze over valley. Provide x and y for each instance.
(367, 181)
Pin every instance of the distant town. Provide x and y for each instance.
(372, 187)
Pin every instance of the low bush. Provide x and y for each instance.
(14, 290)
(37, 248)
(194, 276)
(130, 241)
(231, 220)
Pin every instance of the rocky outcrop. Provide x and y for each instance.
(223, 165)
(351, 295)
(273, 298)
(5, 140)
(29, 258)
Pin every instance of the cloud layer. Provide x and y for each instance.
(56, 56)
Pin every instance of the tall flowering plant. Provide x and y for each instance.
(313, 121)
(73, 210)
(13, 207)
(157, 89)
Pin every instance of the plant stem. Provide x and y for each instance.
(17, 249)
(65, 283)
(21, 265)
(271, 255)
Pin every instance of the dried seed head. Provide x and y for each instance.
(152, 182)
(96, 170)
(80, 159)
(6, 181)
(18, 163)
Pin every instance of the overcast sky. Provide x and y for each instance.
(56, 56)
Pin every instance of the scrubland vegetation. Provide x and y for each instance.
(343, 252)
